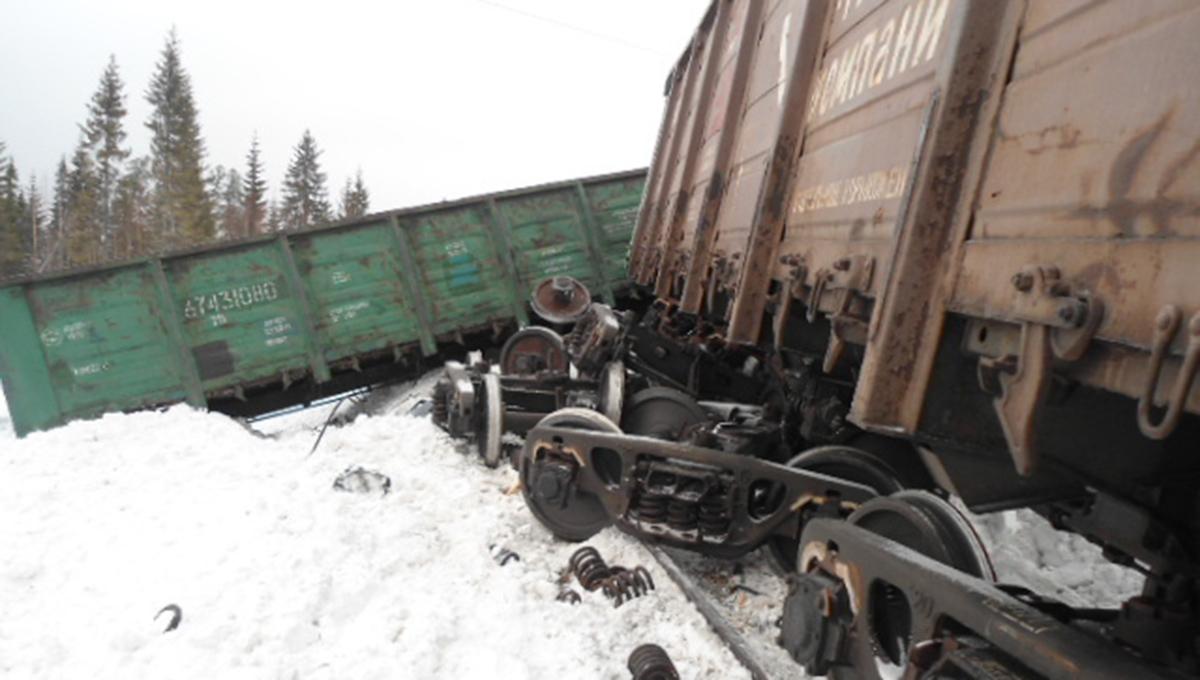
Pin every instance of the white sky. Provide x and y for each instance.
(432, 99)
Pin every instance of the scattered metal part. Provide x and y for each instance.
(560, 299)
(422, 408)
(324, 427)
(533, 350)
(616, 582)
(176, 617)
(503, 555)
(569, 596)
(725, 630)
(360, 480)
(650, 662)
(623, 584)
(589, 568)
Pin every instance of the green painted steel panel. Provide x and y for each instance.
(240, 318)
(355, 285)
(27, 386)
(464, 280)
(615, 208)
(212, 323)
(548, 238)
(104, 343)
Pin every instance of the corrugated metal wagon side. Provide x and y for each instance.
(258, 325)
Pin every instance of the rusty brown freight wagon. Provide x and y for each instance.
(959, 237)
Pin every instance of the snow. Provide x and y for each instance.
(280, 576)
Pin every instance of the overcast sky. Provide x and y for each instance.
(432, 99)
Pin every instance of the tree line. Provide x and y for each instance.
(106, 204)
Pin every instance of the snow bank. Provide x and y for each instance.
(1026, 550)
(6, 429)
(279, 576)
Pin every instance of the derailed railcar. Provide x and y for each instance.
(254, 326)
(955, 242)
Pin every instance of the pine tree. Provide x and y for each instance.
(305, 198)
(254, 188)
(356, 200)
(182, 206)
(133, 211)
(104, 134)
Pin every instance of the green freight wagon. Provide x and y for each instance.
(257, 325)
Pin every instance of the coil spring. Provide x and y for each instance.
(651, 509)
(713, 515)
(650, 662)
(625, 584)
(589, 568)
(503, 555)
(682, 515)
(569, 596)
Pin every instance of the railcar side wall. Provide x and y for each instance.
(313, 307)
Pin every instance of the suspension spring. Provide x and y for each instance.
(589, 568)
(650, 662)
(682, 515)
(651, 509)
(625, 584)
(714, 519)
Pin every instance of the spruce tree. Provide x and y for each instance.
(274, 216)
(35, 222)
(104, 134)
(231, 211)
(305, 198)
(356, 200)
(13, 253)
(254, 188)
(182, 207)
(133, 211)
(82, 245)
(55, 255)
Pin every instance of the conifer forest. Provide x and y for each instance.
(108, 202)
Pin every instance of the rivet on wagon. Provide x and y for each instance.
(1066, 313)
(1022, 281)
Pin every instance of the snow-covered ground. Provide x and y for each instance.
(280, 576)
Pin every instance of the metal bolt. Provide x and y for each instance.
(842, 264)
(1067, 313)
(1022, 281)
(548, 487)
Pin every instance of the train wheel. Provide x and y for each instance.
(612, 390)
(533, 350)
(845, 462)
(882, 630)
(490, 445)
(662, 413)
(548, 485)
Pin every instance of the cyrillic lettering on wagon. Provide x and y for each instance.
(900, 44)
